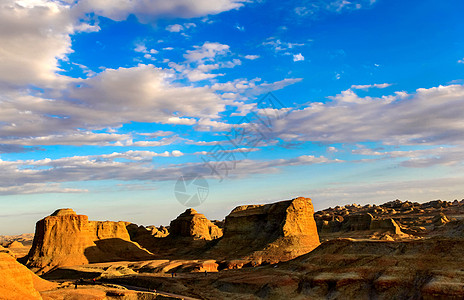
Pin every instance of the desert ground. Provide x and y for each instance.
(283, 250)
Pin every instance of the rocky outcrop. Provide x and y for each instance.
(25, 239)
(386, 225)
(189, 235)
(193, 224)
(422, 269)
(440, 219)
(15, 245)
(65, 239)
(269, 233)
(358, 222)
(401, 220)
(158, 231)
(17, 281)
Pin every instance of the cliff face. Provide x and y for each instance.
(65, 239)
(269, 233)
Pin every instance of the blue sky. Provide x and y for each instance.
(105, 104)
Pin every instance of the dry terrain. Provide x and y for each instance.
(284, 250)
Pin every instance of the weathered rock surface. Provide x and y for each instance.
(17, 249)
(65, 239)
(25, 239)
(193, 224)
(400, 220)
(15, 245)
(269, 233)
(17, 281)
(338, 269)
(393, 266)
(358, 222)
(190, 234)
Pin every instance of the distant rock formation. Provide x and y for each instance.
(400, 220)
(358, 222)
(440, 219)
(386, 224)
(190, 234)
(193, 224)
(158, 231)
(65, 239)
(15, 245)
(25, 239)
(269, 233)
(17, 281)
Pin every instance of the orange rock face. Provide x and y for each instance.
(17, 281)
(15, 245)
(269, 233)
(66, 239)
(193, 224)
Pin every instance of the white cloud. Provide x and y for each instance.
(108, 99)
(368, 86)
(428, 116)
(279, 46)
(302, 11)
(38, 188)
(332, 149)
(333, 6)
(155, 134)
(144, 94)
(252, 57)
(163, 142)
(181, 121)
(235, 150)
(34, 36)
(461, 61)
(71, 139)
(202, 60)
(148, 56)
(298, 57)
(240, 28)
(149, 10)
(140, 48)
(210, 125)
(175, 28)
(176, 153)
(207, 51)
(252, 87)
(179, 27)
(36, 176)
(420, 158)
(46, 175)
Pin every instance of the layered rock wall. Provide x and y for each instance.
(271, 232)
(65, 239)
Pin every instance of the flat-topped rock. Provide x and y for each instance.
(63, 212)
(269, 233)
(66, 239)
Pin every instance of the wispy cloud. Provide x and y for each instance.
(47, 175)
(368, 86)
